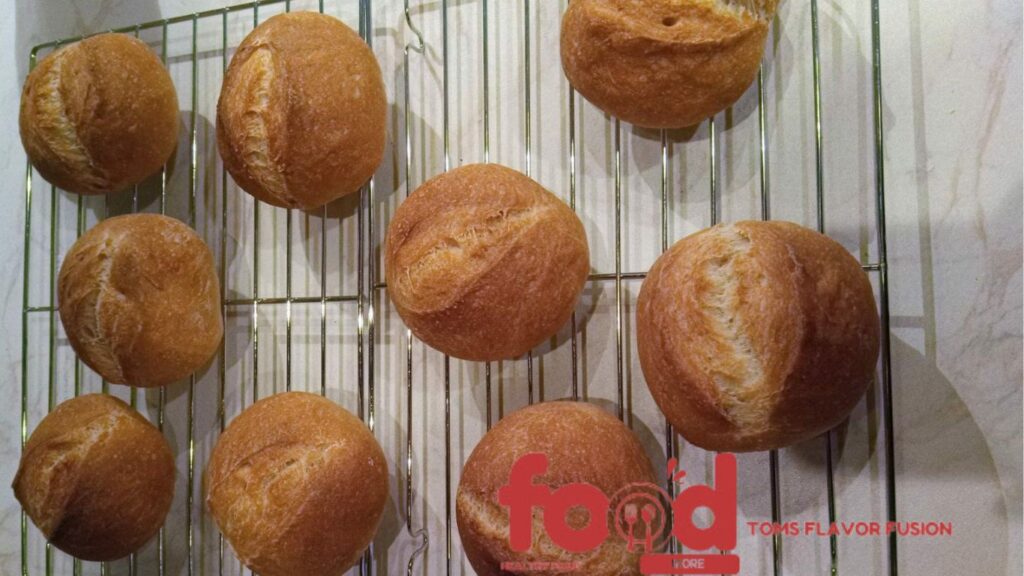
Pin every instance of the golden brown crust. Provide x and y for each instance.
(96, 478)
(756, 335)
(583, 444)
(483, 263)
(297, 485)
(140, 300)
(664, 63)
(301, 119)
(99, 115)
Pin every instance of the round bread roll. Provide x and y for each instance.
(96, 478)
(302, 113)
(99, 115)
(583, 444)
(483, 263)
(664, 63)
(297, 485)
(140, 300)
(756, 335)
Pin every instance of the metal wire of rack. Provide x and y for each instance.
(369, 296)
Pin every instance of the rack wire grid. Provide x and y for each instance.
(308, 287)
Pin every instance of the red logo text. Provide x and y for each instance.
(643, 515)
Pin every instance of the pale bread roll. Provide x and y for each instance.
(483, 263)
(99, 115)
(302, 113)
(664, 63)
(584, 444)
(96, 478)
(756, 335)
(297, 485)
(140, 300)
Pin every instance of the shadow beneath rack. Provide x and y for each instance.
(939, 447)
(585, 308)
(789, 117)
(650, 441)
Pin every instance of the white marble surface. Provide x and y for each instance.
(952, 115)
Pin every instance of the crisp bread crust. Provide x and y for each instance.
(584, 444)
(96, 478)
(483, 263)
(297, 485)
(301, 119)
(99, 115)
(756, 335)
(663, 63)
(140, 300)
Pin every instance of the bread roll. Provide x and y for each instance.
(297, 485)
(99, 115)
(96, 478)
(483, 263)
(756, 335)
(302, 113)
(583, 444)
(664, 63)
(140, 300)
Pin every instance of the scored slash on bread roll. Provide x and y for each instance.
(96, 478)
(140, 300)
(297, 485)
(756, 335)
(483, 263)
(301, 118)
(99, 115)
(583, 444)
(664, 63)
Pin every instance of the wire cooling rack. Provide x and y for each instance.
(305, 306)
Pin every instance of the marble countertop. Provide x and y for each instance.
(951, 116)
